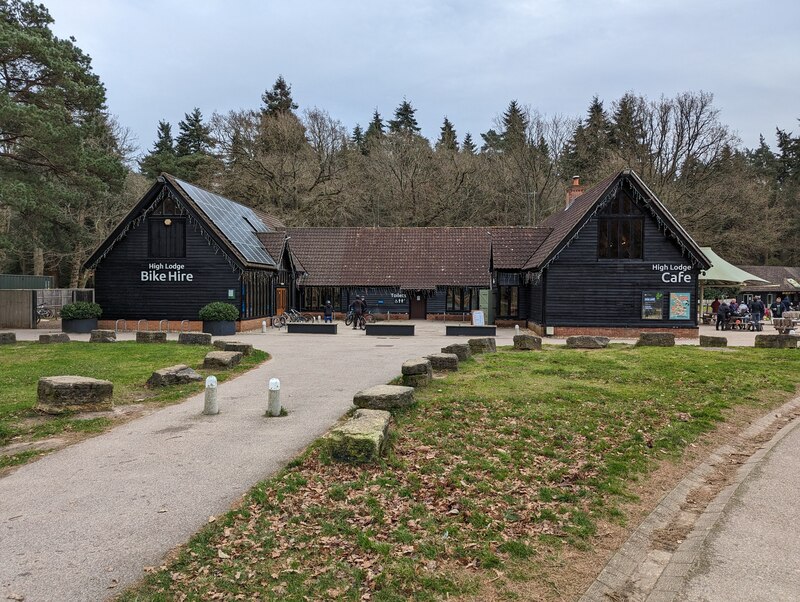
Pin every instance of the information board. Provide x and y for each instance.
(477, 318)
(652, 305)
(680, 306)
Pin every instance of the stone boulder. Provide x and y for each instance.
(59, 394)
(103, 336)
(462, 350)
(777, 341)
(61, 337)
(194, 338)
(417, 372)
(527, 342)
(173, 375)
(443, 361)
(8, 338)
(243, 348)
(223, 360)
(482, 345)
(656, 339)
(384, 397)
(360, 439)
(587, 342)
(151, 337)
(709, 341)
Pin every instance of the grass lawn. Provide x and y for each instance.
(126, 364)
(499, 471)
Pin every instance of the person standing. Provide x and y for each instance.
(722, 316)
(358, 309)
(327, 312)
(786, 305)
(757, 313)
(776, 308)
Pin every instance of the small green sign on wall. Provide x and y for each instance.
(231, 293)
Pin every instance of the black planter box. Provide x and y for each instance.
(396, 330)
(471, 331)
(311, 328)
(219, 328)
(79, 326)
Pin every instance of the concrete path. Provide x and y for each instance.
(82, 523)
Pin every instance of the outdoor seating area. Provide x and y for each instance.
(788, 323)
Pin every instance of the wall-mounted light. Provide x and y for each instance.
(167, 222)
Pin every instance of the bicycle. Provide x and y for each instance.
(44, 312)
(367, 317)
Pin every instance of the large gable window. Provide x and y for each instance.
(620, 228)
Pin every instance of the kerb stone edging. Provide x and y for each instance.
(624, 564)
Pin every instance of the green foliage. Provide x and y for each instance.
(219, 312)
(405, 120)
(81, 310)
(278, 100)
(195, 136)
(448, 140)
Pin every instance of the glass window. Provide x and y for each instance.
(313, 298)
(507, 301)
(620, 230)
(459, 299)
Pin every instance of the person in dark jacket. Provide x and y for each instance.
(358, 309)
(786, 305)
(776, 308)
(723, 313)
(757, 313)
(327, 312)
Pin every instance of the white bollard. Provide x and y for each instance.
(263, 326)
(274, 403)
(211, 406)
(516, 328)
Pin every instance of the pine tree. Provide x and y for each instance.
(163, 157)
(404, 121)
(279, 99)
(375, 129)
(195, 136)
(447, 137)
(515, 127)
(492, 141)
(468, 146)
(164, 142)
(589, 147)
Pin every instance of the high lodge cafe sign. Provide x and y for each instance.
(673, 272)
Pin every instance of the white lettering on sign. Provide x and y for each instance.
(399, 297)
(165, 272)
(679, 277)
(668, 272)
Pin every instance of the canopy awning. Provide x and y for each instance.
(722, 273)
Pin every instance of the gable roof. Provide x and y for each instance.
(781, 279)
(410, 258)
(567, 223)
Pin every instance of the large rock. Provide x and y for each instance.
(443, 361)
(418, 365)
(709, 341)
(194, 338)
(482, 345)
(103, 336)
(173, 375)
(656, 339)
(527, 342)
(462, 350)
(59, 394)
(151, 337)
(587, 342)
(777, 341)
(222, 359)
(8, 338)
(243, 348)
(384, 397)
(60, 337)
(360, 439)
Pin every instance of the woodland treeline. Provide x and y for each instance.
(68, 172)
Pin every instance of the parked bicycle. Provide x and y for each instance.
(291, 315)
(366, 318)
(44, 312)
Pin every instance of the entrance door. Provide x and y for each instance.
(417, 306)
(281, 297)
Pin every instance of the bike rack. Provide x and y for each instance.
(180, 328)
(160, 322)
(124, 323)
(139, 324)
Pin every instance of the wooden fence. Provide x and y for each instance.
(17, 309)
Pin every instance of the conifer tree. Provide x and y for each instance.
(447, 137)
(163, 156)
(278, 100)
(375, 129)
(515, 126)
(404, 121)
(195, 136)
(468, 146)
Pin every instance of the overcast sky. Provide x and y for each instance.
(467, 60)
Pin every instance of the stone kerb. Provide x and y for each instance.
(443, 361)
(710, 341)
(361, 439)
(462, 350)
(656, 339)
(527, 342)
(222, 359)
(59, 394)
(173, 375)
(103, 336)
(482, 345)
(417, 372)
(587, 342)
(243, 348)
(60, 337)
(384, 397)
(194, 338)
(776, 341)
(151, 337)
(8, 338)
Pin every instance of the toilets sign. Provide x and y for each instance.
(677, 273)
(165, 272)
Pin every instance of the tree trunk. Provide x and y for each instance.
(38, 261)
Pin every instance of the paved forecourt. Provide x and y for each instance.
(82, 523)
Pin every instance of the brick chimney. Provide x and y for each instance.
(574, 191)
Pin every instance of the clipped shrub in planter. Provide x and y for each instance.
(219, 318)
(80, 316)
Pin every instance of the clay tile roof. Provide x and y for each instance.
(273, 243)
(781, 278)
(512, 247)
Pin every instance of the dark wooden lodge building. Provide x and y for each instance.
(613, 261)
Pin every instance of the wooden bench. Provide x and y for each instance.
(389, 329)
(311, 328)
